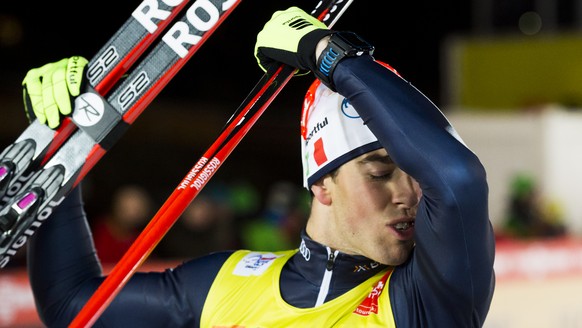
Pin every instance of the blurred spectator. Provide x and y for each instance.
(245, 200)
(528, 215)
(205, 226)
(279, 225)
(113, 233)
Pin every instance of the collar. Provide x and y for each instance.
(313, 259)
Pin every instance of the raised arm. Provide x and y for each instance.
(453, 259)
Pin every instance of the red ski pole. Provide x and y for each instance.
(240, 123)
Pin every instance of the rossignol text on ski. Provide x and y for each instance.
(42, 166)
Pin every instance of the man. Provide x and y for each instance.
(398, 234)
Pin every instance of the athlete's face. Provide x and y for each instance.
(372, 206)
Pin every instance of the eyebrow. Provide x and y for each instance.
(375, 157)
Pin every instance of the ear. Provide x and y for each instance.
(321, 191)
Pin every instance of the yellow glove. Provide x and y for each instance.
(290, 37)
(47, 90)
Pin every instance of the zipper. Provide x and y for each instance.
(326, 281)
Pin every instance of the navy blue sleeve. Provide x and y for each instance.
(449, 279)
(64, 272)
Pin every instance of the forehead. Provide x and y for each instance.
(376, 156)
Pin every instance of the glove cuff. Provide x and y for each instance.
(340, 45)
(306, 48)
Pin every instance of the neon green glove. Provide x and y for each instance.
(47, 90)
(290, 37)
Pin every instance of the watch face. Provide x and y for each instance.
(353, 39)
(355, 42)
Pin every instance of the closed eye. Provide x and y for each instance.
(382, 177)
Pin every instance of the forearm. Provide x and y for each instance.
(64, 272)
(416, 135)
(453, 232)
(61, 258)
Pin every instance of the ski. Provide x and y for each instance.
(36, 145)
(98, 121)
(252, 107)
(38, 142)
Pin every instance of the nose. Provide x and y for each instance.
(405, 190)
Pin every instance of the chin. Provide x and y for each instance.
(394, 258)
(392, 262)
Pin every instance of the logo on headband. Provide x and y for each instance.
(316, 128)
(348, 110)
(319, 152)
(331, 131)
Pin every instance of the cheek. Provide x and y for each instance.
(360, 196)
(364, 196)
(351, 205)
(360, 200)
(375, 197)
(364, 204)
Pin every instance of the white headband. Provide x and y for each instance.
(332, 133)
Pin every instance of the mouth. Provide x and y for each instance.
(403, 226)
(403, 229)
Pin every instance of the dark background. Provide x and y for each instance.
(407, 34)
(184, 120)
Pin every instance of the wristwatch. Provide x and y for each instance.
(340, 45)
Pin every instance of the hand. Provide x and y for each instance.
(290, 37)
(47, 90)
